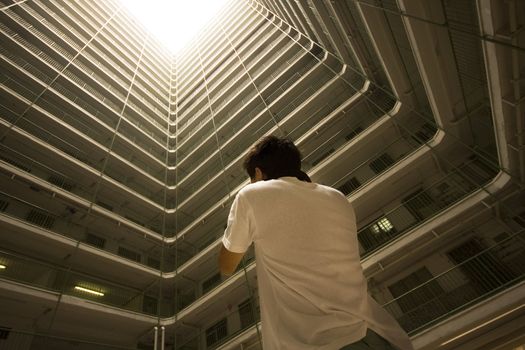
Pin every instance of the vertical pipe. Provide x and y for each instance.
(162, 329)
(155, 337)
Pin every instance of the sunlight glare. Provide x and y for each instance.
(174, 22)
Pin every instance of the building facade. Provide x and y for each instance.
(119, 162)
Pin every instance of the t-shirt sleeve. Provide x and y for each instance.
(239, 233)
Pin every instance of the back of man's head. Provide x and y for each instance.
(275, 157)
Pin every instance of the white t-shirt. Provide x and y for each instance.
(312, 291)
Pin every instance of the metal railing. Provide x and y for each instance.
(357, 120)
(470, 281)
(189, 295)
(65, 220)
(235, 109)
(61, 279)
(380, 161)
(19, 339)
(44, 171)
(424, 204)
(224, 329)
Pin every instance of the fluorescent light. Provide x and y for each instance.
(174, 22)
(3, 267)
(89, 291)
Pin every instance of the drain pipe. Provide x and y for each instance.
(518, 99)
(155, 337)
(162, 329)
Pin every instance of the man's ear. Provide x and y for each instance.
(258, 175)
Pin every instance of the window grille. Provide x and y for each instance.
(211, 282)
(485, 270)
(95, 240)
(3, 205)
(424, 133)
(424, 293)
(420, 204)
(216, 333)
(375, 234)
(520, 219)
(381, 163)
(353, 133)
(382, 226)
(60, 181)
(246, 314)
(349, 186)
(129, 254)
(16, 164)
(40, 218)
(4, 333)
(321, 158)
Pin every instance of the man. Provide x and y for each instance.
(312, 291)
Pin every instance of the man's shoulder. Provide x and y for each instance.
(331, 190)
(278, 184)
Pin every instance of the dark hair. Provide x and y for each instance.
(275, 157)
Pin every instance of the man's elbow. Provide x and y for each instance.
(226, 266)
(228, 261)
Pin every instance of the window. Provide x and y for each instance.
(520, 219)
(3, 205)
(60, 181)
(381, 163)
(4, 333)
(353, 133)
(382, 225)
(321, 158)
(149, 305)
(152, 262)
(375, 234)
(40, 218)
(485, 270)
(15, 163)
(34, 188)
(420, 204)
(216, 333)
(95, 240)
(349, 186)
(104, 205)
(424, 133)
(129, 254)
(246, 313)
(211, 283)
(419, 292)
(135, 220)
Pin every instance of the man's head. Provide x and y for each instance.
(273, 157)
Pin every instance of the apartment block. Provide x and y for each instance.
(119, 161)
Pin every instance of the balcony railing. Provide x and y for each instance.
(425, 203)
(231, 325)
(188, 296)
(378, 162)
(469, 282)
(18, 339)
(62, 221)
(131, 184)
(60, 279)
(186, 250)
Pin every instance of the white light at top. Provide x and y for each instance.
(174, 22)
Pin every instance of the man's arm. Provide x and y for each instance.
(228, 261)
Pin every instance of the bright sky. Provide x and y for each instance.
(174, 22)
